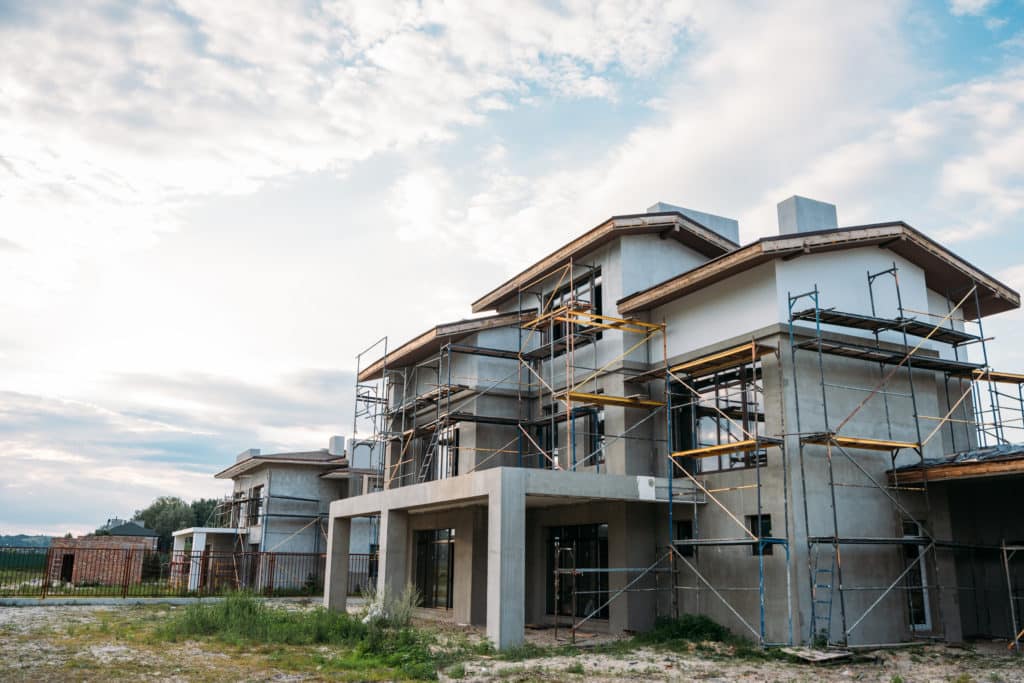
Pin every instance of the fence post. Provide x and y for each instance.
(46, 574)
(126, 572)
(270, 574)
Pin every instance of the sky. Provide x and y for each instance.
(207, 209)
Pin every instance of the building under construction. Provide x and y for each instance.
(801, 437)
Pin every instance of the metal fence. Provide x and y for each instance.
(141, 572)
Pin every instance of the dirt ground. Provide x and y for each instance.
(109, 643)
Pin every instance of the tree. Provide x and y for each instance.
(165, 515)
(202, 511)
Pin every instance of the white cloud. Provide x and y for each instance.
(121, 128)
(969, 7)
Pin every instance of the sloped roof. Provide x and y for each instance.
(989, 461)
(670, 223)
(944, 271)
(430, 342)
(328, 461)
(130, 529)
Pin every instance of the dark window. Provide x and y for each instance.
(915, 581)
(446, 454)
(684, 532)
(255, 505)
(723, 408)
(67, 567)
(435, 559)
(760, 526)
(588, 424)
(586, 291)
(589, 544)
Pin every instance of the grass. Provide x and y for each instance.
(242, 620)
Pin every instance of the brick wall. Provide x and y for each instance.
(99, 560)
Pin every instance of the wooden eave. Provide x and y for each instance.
(243, 466)
(958, 470)
(430, 342)
(944, 271)
(671, 224)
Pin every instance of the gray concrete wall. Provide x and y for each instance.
(985, 511)
(752, 304)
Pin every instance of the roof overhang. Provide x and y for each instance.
(430, 342)
(209, 530)
(250, 464)
(669, 224)
(959, 470)
(944, 271)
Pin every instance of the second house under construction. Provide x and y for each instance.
(802, 438)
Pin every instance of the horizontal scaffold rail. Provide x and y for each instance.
(745, 446)
(607, 400)
(870, 540)
(830, 438)
(912, 326)
(764, 540)
(722, 360)
(999, 377)
(567, 314)
(834, 347)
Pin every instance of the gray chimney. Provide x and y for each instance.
(728, 228)
(800, 214)
(248, 453)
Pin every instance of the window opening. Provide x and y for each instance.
(725, 407)
(760, 526)
(590, 543)
(918, 608)
(435, 560)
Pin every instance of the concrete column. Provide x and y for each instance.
(336, 572)
(462, 600)
(478, 607)
(506, 541)
(394, 552)
(631, 543)
(196, 564)
(470, 586)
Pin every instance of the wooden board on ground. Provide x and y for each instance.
(817, 656)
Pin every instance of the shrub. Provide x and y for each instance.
(390, 610)
(688, 627)
(241, 618)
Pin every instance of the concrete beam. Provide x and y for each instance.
(336, 572)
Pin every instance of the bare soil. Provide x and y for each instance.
(80, 643)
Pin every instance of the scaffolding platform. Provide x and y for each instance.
(956, 368)
(831, 438)
(860, 321)
(722, 360)
(870, 540)
(746, 446)
(998, 377)
(607, 400)
(581, 315)
(765, 540)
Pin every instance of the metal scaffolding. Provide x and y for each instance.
(894, 355)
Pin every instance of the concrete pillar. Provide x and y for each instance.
(506, 541)
(631, 543)
(462, 600)
(196, 564)
(478, 607)
(336, 571)
(470, 585)
(394, 552)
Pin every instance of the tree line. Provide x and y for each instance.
(167, 514)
